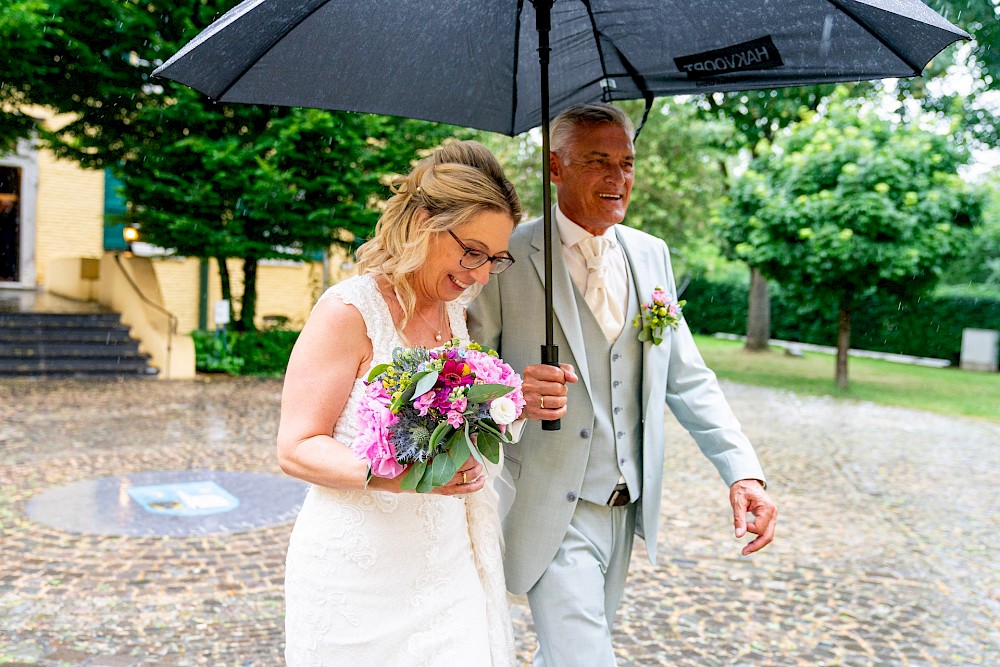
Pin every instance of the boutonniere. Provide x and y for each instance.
(658, 314)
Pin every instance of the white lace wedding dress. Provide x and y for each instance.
(378, 579)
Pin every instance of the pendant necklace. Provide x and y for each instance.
(437, 334)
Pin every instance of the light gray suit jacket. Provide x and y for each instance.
(544, 471)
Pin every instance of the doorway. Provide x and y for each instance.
(10, 224)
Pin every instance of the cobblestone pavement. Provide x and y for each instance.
(886, 550)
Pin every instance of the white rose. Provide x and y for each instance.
(503, 411)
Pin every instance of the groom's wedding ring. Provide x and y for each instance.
(541, 401)
(464, 481)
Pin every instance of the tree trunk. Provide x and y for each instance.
(758, 313)
(227, 290)
(248, 309)
(843, 344)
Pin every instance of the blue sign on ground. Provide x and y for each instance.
(184, 499)
(170, 502)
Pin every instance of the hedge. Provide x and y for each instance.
(263, 353)
(929, 327)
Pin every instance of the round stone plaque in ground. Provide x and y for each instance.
(189, 502)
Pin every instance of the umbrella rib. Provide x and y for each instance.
(600, 50)
(640, 82)
(517, 60)
(840, 5)
(630, 70)
(252, 62)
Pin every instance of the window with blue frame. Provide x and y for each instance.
(114, 213)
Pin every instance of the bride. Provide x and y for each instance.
(375, 575)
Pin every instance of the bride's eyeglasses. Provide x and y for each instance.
(473, 259)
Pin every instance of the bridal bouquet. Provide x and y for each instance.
(424, 408)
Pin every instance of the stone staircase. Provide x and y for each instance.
(41, 344)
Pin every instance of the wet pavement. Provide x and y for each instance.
(886, 552)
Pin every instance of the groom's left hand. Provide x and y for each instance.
(749, 496)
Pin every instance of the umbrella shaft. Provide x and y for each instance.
(543, 23)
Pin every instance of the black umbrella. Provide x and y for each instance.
(478, 63)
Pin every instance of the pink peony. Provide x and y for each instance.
(372, 441)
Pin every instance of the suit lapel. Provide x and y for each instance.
(647, 278)
(563, 298)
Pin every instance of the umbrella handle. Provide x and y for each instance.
(550, 356)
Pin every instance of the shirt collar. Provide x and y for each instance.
(571, 233)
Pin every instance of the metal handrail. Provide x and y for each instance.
(171, 318)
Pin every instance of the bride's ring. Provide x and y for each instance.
(464, 481)
(541, 401)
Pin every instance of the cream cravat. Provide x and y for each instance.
(608, 313)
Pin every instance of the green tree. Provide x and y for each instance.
(756, 117)
(849, 205)
(22, 33)
(259, 184)
(205, 179)
(979, 260)
(679, 176)
(93, 60)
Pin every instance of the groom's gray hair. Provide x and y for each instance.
(589, 114)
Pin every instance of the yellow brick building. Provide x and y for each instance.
(52, 239)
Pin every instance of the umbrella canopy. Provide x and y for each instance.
(479, 63)
(475, 63)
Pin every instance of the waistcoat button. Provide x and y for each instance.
(571, 497)
(585, 433)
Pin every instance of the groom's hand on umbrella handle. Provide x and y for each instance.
(544, 390)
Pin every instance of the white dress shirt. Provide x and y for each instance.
(571, 234)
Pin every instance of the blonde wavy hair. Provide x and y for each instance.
(455, 183)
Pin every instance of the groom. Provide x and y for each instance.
(574, 498)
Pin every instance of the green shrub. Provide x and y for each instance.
(261, 353)
(214, 353)
(930, 326)
(265, 352)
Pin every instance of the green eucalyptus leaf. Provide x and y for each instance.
(375, 372)
(442, 470)
(424, 382)
(471, 444)
(458, 448)
(426, 482)
(489, 445)
(409, 482)
(481, 393)
(439, 433)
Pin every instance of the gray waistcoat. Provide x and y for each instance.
(616, 385)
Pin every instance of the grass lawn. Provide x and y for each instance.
(948, 391)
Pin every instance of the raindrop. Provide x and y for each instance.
(825, 42)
